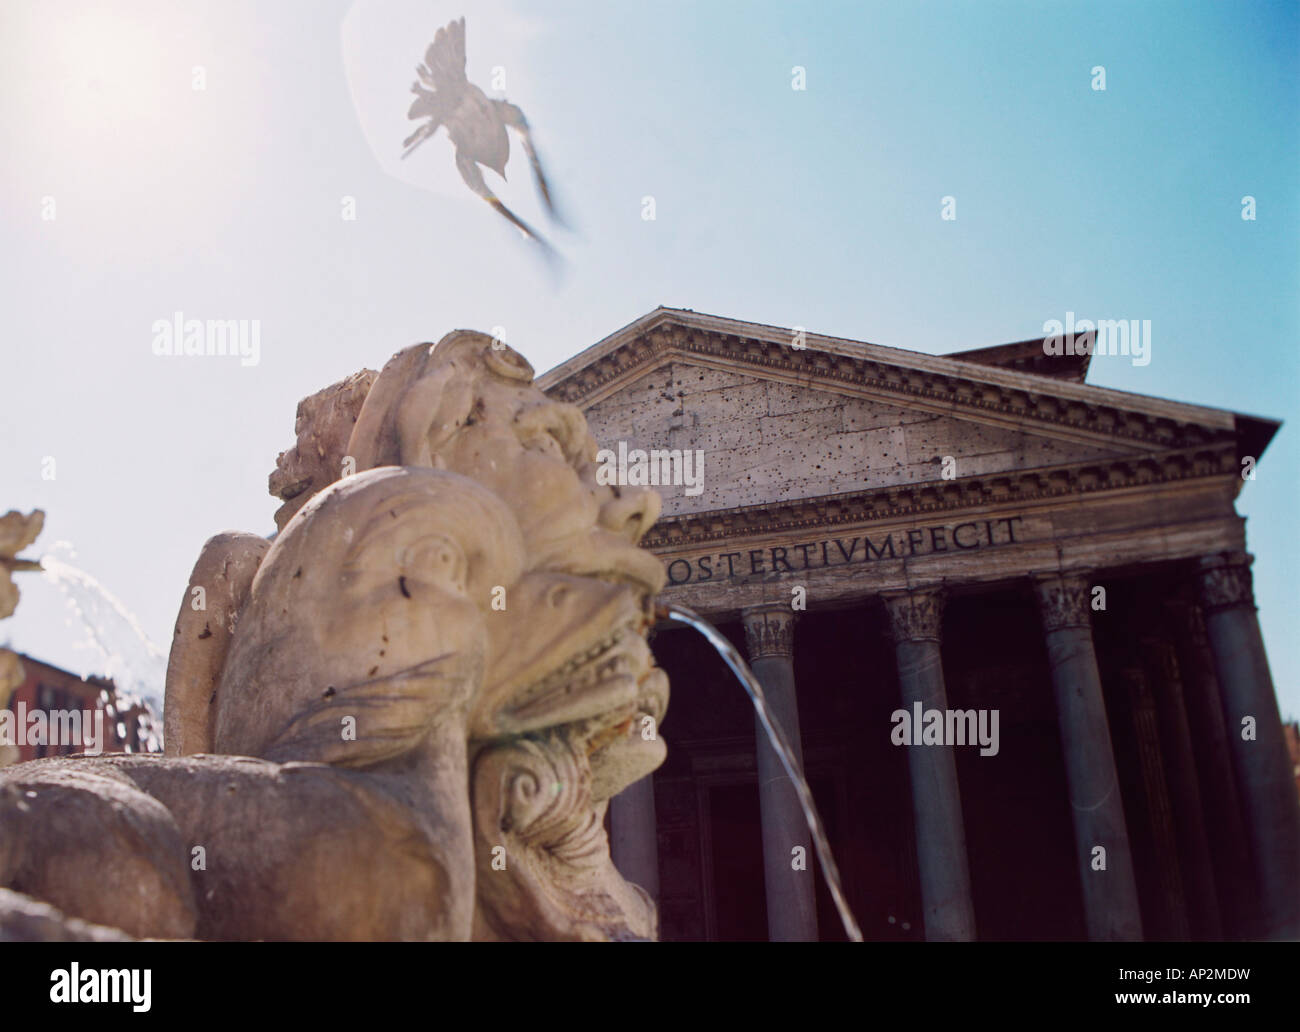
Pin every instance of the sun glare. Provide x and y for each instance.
(107, 72)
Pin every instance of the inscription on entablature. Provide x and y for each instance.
(794, 558)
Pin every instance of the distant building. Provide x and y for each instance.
(1292, 732)
(50, 690)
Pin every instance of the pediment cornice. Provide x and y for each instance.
(911, 379)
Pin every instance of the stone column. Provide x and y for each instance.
(1183, 782)
(791, 896)
(1254, 728)
(634, 837)
(915, 618)
(1152, 813)
(1229, 843)
(1110, 900)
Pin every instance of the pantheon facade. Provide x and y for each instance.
(1005, 616)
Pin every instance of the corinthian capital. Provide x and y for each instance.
(769, 631)
(1225, 581)
(1063, 599)
(915, 615)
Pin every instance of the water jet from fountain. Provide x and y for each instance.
(776, 736)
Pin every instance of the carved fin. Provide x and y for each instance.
(224, 571)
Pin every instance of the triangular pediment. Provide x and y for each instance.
(778, 422)
(760, 439)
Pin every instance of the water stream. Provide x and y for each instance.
(783, 751)
(125, 654)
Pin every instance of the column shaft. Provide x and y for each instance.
(1254, 728)
(1153, 815)
(1229, 843)
(788, 857)
(633, 838)
(1110, 898)
(942, 864)
(1183, 782)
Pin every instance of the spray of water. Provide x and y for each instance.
(136, 665)
(783, 750)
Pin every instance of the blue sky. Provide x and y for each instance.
(818, 208)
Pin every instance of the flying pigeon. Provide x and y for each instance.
(476, 124)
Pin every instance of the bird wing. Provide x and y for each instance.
(443, 76)
(444, 60)
(433, 106)
(427, 104)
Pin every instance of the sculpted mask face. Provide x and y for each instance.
(569, 648)
(534, 654)
(569, 712)
(370, 604)
(466, 406)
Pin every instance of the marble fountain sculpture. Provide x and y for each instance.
(401, 719)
